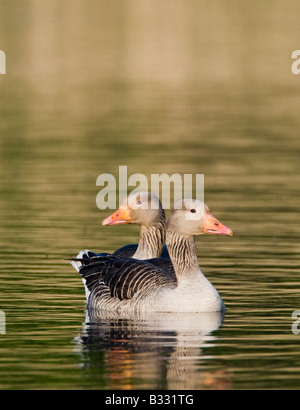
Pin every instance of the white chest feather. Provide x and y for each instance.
(193, 294)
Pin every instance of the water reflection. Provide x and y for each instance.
(158, 351)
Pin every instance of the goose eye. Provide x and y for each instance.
(139, 202)
(193, 211)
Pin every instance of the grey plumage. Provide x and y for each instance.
(129, 285)
(112, 280)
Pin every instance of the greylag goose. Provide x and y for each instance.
(123, 285)
(144, 209)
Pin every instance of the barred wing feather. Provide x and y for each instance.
(125, 278)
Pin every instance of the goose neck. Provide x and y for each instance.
(151, 242)
(183, 253)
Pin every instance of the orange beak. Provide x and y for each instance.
(121, 216)
(212, 225)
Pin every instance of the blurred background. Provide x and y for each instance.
(162, 87)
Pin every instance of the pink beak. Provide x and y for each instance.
(121, 216)
(212, 225)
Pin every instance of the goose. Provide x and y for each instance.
(144, 209)
(122, 285)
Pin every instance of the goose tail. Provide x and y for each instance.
(87, 254)
(85, 258)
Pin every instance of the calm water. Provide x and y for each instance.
(181, 87)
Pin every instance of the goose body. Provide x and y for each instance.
(125, 286)
(129, 285)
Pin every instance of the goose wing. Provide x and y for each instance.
(165, 264)
(125, 278)
(126, 251)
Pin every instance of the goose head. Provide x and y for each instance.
(143, 208)
(192, 217)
